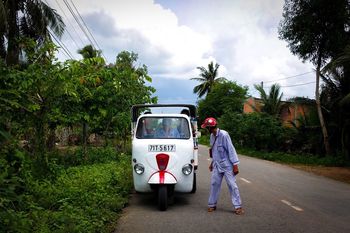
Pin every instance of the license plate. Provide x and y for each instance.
(161, 148)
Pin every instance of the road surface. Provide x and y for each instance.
(276, 198)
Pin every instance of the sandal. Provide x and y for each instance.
(239, 211)
(211, 209)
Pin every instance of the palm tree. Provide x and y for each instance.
(89, 52)
(208, 78)
(271, 102)
(335, 97)
(25, 19)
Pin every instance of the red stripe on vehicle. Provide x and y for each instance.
(161, 177)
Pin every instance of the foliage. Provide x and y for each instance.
(86, 93)
(80, 199)
(225, 97)
(37, 104)
(74, 156)
(26, 20)
(89, 52)
(307, 159)
(256, 130)
(315, 29)
(107, 93)
(12, 184)
(39, 190)
(335, 98)
(208, 78)
(271, 102)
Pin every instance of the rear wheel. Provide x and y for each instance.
(162, 197)
(194, 186)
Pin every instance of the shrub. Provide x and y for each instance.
(81, 199)
(12, 190)
(75, 157)
(256, 130)
(85, 198)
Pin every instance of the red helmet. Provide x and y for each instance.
(209, 122)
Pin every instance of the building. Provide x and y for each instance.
(291, 111)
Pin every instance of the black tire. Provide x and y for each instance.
(162, 197)
(171, 194)
(194, 186)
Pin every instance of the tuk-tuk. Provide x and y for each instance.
(164, 150)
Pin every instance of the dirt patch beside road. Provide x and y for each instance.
(336, 173)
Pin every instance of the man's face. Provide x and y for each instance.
(210, 129)
(166, 124)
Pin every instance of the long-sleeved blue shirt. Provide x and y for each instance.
(223, 151)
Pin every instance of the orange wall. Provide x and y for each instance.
(289, 112)
(247, 107)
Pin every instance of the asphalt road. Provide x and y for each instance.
(276, 198)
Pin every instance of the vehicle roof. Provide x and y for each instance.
(136, 109)
(164, 115)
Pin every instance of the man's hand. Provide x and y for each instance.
(211, 167)
(235, 169)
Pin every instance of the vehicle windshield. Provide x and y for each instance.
(163, 128)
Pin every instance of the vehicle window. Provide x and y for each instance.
(163, 128)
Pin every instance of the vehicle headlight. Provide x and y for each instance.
(187, 169)
(139, 168)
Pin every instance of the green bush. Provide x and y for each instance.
(12, 190)
(81, 199)
(256, 130)
(74, 157)
(307, 159)
(85, 198)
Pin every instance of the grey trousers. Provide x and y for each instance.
(216, 179)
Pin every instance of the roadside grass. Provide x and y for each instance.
(85, 197)
(287, 158)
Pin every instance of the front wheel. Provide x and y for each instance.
(162, 197)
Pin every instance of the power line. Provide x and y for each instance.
(79, 23)
(88, 30)
(295, 85)
(77, 20)
(59, 5)
(289, 77)
(63, 46)
(58, 40)
(302, 84)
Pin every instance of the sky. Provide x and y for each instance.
(174, 37)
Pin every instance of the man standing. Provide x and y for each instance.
(224, 163)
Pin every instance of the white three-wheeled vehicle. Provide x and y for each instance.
(164, 150)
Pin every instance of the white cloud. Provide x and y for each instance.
(245, 42)
(148, 29)
(174, 37)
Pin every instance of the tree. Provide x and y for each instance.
(272, 101)
(89, 52)
(316, 30)
(31, 107)
(106, 94)
(225, 97)
(259, 131)
(23, 19)
(335, 97)
(208, 78)
(89, 55)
